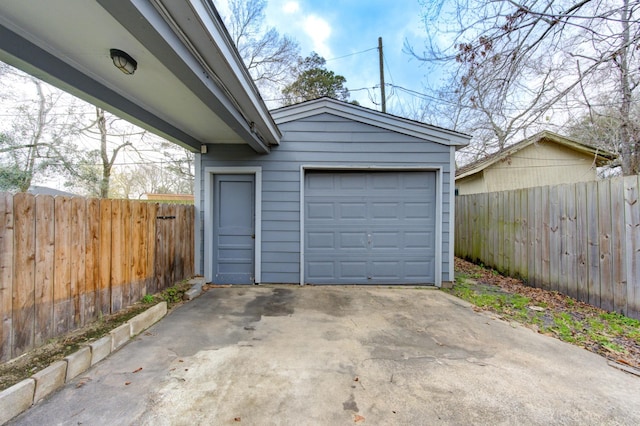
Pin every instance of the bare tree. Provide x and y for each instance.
(601, 126)
(39, 142)
(269, 56)
(518, 61)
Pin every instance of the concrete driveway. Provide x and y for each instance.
(342, 355)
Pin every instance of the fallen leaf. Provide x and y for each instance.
(358, 418)
(137, 369)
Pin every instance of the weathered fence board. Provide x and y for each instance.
(45, 252)
(582, 240)
(605, 227)
(92, 260)
(24, 272)
(555, 244)
(618, 261)
(632, 221)
(62, 308)
(6, 275)
(66, 261)
(571, 243)
(582, 224)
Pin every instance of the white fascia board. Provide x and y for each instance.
(371, 117)
(249, 98)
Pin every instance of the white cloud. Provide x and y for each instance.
(319, 31)
(291, 7)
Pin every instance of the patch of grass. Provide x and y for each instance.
(607, 333)
(488, 297)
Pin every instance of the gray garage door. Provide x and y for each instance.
(369, 227)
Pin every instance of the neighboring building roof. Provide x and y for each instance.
(601, 156)
(372, 117)
(185, 198)
(44, 190)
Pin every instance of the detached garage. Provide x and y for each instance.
(349, 196)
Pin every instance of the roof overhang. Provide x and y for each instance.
(601, 157)
(371, 117)
(190, 87)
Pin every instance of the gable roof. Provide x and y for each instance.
(601, 156)
(371, 117)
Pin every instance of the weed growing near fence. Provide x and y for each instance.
(13, 371)
(610, 334)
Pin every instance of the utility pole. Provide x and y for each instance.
(382, 95)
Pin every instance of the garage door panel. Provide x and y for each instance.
(350, 181)
(386, 210)
(351, 270)
(320, 240)
(319, 181)
(386, 270)
(352, 240)
(416, 181)
(390, 240)
(385, 181)
(321, 210)
(369, 227)
(352, 210)
(418, 269)
(418, 240)
(417, 210)
(320, 271)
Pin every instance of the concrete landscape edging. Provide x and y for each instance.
(21, 396)
(196, 288)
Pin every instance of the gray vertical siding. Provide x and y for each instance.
(323, 139)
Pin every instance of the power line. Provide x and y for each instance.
(351, 54)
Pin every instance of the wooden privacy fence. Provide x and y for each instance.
(582, 240)
(66, 261)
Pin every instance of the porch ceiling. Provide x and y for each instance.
(190, 86)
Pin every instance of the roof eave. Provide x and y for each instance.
(368, 116)
(199, 21)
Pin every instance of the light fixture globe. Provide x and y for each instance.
(123, 61)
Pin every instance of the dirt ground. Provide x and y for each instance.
(24, 366)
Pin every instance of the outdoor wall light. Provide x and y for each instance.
(123, 61)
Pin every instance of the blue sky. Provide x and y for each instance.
(336, 29)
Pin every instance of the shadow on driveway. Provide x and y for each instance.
(269, 355)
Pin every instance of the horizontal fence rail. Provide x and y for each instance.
(65, 261)
(582, 240)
